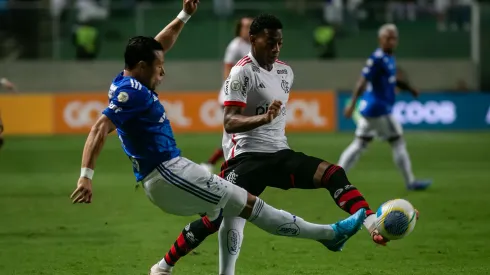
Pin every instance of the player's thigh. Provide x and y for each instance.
(388, 127)
(364, 128)
(184, 188)
(295, 170)
(252, 171)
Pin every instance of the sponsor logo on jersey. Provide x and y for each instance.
(114, 107)
(245, 86)
(285, 86)
(283, 71)
(112, 90)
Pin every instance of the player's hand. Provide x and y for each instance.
(8, 85)
(83, 193)
(415, 93)
(273, 110)
(349, 111)
(377, 238)
(190, 6)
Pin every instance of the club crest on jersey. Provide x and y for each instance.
(122, 97)
(285, 86)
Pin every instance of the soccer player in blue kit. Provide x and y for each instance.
(173, 183)
(378, 82)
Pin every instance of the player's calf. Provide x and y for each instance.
(346, 196)
(1, 141)
(190, 238)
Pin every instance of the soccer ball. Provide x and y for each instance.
(395, 219)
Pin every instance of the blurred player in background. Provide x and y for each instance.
(378, 82)
(6, 84)
(256, 148)
(173, 183)
(238, 48)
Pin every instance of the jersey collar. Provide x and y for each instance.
(254, 61)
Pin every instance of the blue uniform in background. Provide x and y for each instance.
(142, 126)
(379, 97)
(377, 101)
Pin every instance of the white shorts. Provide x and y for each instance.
(182, 187)
(385, 127)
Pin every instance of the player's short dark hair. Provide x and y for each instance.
(265, 21)
(141, 48)
(238, 25)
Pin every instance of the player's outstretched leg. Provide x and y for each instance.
(267, 218)
(282, 223)
(191, 237)
(353, 152)
(402, 160)
(215, 157)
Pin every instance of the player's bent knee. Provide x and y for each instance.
(395, 139)
(364, 141)
(238, 202)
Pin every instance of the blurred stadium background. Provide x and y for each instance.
(444, 51)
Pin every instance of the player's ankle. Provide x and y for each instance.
(164, 265)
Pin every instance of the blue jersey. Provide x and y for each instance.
(379, 97)
(142, 126)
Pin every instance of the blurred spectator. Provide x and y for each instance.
(87, 10)
(86, 38)
(453, 13)
(25, 27)
(337, 12)
(401, 10)
(223, 8)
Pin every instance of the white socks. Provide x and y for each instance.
(402, 160)
(351, 154)
(282, 223)
(230, 241)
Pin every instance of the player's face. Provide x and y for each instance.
(389, 41)
(156, 71)
(267, 45)
(246, 22)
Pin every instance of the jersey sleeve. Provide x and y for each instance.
(237, 86)
(372, 67)
(231, 54)
(126, 103)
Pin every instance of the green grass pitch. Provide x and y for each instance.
(121, 232)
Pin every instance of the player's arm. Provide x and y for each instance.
(5, 83)
(96, 140)
(237, 87)
(93, 146)
(170, 33)
(404, 84)
(236, 122)
(229, 60)
(368, 72)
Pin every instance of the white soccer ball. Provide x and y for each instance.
(395, 219)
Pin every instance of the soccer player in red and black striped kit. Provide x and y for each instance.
(258, 154)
